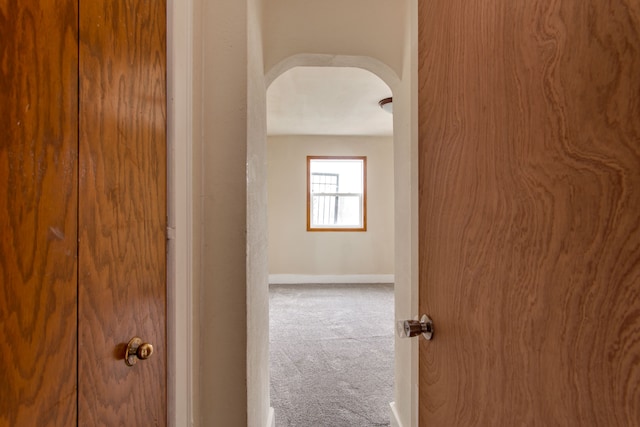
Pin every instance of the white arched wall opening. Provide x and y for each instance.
(404, 407)
(378, 68)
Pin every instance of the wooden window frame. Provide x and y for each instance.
(364, 194)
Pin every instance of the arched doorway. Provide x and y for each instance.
(405, 203)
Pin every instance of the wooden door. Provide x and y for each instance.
(529, 124)
(38, 212)
(122, 211)
(82, 212)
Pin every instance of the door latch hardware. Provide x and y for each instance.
(413, 328)
(136, 349)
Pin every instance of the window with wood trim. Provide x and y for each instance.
(336, 193)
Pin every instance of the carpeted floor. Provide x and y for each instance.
(331, 355)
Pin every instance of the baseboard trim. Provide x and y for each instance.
(395, 418)
(271, 420)
(291, 279)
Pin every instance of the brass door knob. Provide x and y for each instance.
(136, 349)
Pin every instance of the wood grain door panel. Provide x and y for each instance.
(529, 124)
(122, 212)
(38, 212)
(82, 211)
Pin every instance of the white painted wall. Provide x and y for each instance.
(180, 167)
(372, 28)
(293, 249)
(220, 155)
(259, 412)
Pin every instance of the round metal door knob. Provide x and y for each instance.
(413, 328)
(136, 349)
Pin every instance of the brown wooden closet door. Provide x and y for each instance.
(38, 211)
(122, 213)
(529, 124)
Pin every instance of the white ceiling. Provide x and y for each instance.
(327, 101)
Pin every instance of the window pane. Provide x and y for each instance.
(349, 212)
(348, 171)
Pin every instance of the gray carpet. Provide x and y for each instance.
(331, 355)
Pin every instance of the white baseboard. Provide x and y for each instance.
(395, 418)
(292, 279)
(271, 421)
